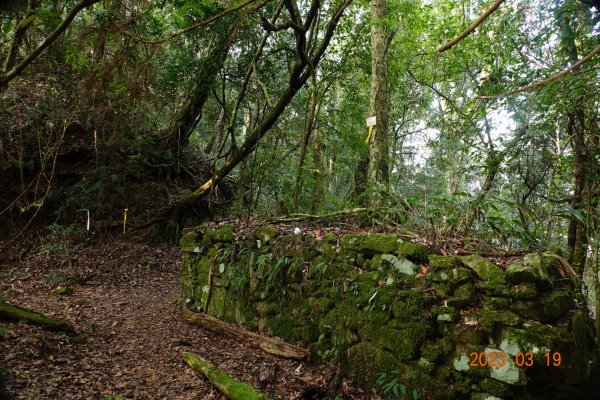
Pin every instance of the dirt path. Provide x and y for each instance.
(124, 303)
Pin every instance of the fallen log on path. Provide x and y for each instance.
(14, 313)
(229, 386)
(271, 345)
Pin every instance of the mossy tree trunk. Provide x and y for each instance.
(379, 105)
(14, 313)
(229, 386)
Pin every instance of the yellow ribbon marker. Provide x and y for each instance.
(124, 220)
(371, 122)
(369, 135)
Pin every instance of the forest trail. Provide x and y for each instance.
(124, 303)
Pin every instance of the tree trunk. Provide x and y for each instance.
(360, 179)
(577, 234)
(584, 166)
(379, 104)
(300, 166)
(244, 198)
(216, 133)
(331, 170)
(191, 113)
(318, 189)
(309, 125)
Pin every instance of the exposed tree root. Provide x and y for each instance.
(14, 313)
(230, 387)
(566, 266)
(271, 345)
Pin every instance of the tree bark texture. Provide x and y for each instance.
(379, 102)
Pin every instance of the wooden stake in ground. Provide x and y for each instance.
(230, 387)
(14, 313)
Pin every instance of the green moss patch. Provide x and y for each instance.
(490, 319)
(496, 387)
(265, 233)
(437, 262)
(547, 309)
(190, 239)
(415, 252)
(223, 234)
(531, 270)
(452, 276)
(365, 361)
(485, 269)
(376, 243)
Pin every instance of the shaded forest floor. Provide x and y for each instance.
(124, 301)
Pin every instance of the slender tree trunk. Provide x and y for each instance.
(492, 164)
(308, 129)
(243, 197)
(360, 179)
(577, 235)
(379, 103)
(577, 239)
(331, 171)
(318, 189)
(217, 132)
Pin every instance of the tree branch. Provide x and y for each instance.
(547, 80)
(470, 28)
(16, 70)
(19, 35)
(204, 22)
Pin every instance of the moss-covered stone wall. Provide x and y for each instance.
(377, 304)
